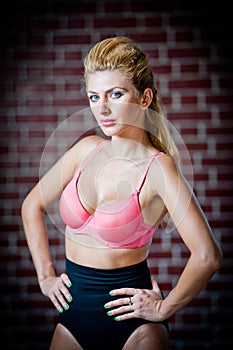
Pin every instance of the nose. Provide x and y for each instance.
(104, 109)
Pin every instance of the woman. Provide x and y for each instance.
(114, 192)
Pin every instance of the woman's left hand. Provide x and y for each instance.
(136, 303)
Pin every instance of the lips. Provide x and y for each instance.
(108, 122)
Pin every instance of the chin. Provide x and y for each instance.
(110, 131)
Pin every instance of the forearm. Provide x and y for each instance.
(193, 279)
(37, 240)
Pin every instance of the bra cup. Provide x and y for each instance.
(71, 210)
(118, 227)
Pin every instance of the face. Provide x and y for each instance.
(114, 101)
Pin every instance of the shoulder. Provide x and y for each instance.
(89, 142)
(164, 172)
(82, 148)
(164, 162)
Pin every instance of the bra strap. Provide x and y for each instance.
(142, 179)
(92, 155)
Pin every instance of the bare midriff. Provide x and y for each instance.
(87, 251)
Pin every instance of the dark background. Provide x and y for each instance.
(42, 45)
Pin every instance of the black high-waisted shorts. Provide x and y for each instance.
(87, 318)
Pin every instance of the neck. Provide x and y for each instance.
(137, 135)
(130, 144)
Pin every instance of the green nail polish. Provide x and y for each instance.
(116, 318)
(69, 299)
(106, 306)
(69, 284)
(109, 313)
(66, 307)
(111, 292)
(60, 310)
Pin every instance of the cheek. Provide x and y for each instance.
(94, 110)
(130, 111)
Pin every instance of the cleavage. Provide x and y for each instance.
(106, 184)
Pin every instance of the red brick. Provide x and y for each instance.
(187, 52)
(106, 22)
(71, 39)
(37, 88)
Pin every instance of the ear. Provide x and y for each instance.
(146, 99)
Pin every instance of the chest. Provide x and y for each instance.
(111, 180)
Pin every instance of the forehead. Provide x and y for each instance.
(104, 80)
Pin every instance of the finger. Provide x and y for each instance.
(123, 291)
(66, 280)
(118, 302)
(120, 310)
(57, 305)
(59, 302)
(66, 294)
(124, 317)
(62, 300)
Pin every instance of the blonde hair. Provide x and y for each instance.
(120, 53)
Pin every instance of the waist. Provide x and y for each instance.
(109, 275)
(86, 251)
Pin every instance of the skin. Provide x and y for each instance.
(113, 98)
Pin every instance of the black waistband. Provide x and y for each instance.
(121, 272)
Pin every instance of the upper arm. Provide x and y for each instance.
(183, 206)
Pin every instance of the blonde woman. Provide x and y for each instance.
(114, 192)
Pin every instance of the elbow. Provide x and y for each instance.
(29, 208)
(217, 260)
(217, 257)
(212, 260)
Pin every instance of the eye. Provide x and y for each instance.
(93, 98)
(116, 95)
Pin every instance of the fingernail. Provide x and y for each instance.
(109, 313)
(111, 292)
(116, 318)
(60, 310)
(66, 307)
(106, 306)
(69, 299)
(69, 284)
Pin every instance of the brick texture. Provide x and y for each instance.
(42, 47)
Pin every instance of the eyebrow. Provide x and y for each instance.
(109, 90)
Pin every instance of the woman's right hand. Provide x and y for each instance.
(57, 289)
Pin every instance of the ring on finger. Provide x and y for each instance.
(130, 301)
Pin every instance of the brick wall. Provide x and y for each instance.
(42, 47)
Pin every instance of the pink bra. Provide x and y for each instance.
(117, 225)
